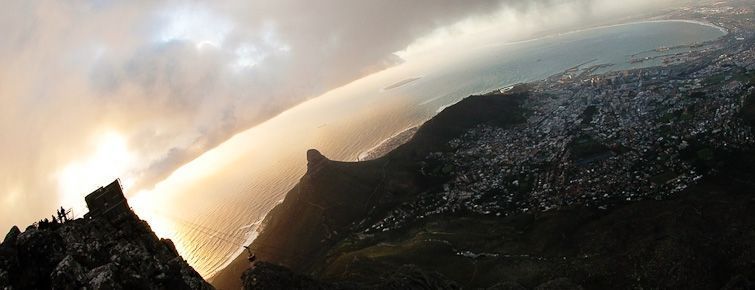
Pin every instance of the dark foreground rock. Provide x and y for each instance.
(94, 253)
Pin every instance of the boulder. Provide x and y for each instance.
(103, 277)
(68, 274)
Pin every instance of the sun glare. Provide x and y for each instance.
(110, 160)
(146, 208)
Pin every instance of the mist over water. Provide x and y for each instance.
(212, 205)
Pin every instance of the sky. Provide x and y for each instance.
(99, 89)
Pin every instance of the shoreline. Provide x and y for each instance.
(372, 153)
(551, 35)
(234, 255)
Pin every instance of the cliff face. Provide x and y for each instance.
(93, 253)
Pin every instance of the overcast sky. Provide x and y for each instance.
(92, 90)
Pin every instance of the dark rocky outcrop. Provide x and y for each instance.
(93, 253)
(314, 159)
(334, 198)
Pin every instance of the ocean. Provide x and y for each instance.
(213, 205)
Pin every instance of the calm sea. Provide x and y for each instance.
(212, 205)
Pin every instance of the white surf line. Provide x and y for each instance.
(364, 154)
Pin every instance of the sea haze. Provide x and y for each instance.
(212, 205)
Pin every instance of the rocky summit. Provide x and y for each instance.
(97, 252)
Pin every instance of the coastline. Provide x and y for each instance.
(365, 154)
(550, 35)
(692, 21)
(232, 256)
(404, 244)
(388, 144)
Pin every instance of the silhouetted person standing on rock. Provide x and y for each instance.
(62, 215)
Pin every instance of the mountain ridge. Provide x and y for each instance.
(575, 247)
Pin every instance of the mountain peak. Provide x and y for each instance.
(314, 157)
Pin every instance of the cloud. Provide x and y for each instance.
(176, 78)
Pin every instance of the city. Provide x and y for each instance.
(600, 139)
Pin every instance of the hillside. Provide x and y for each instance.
(323, 234)
(335, 198)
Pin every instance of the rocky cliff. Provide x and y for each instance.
(93, 253)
